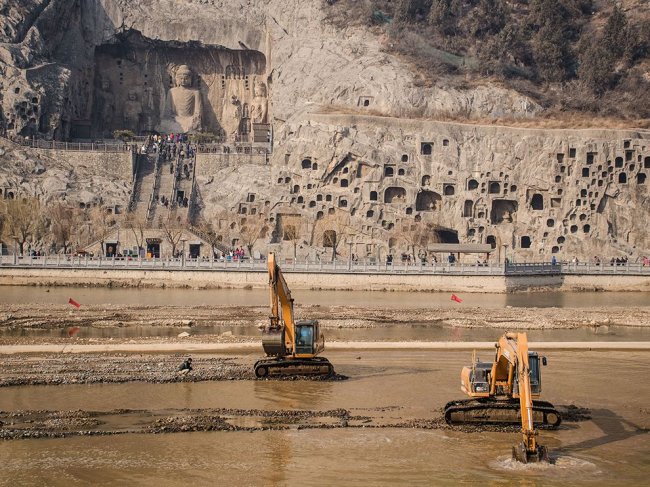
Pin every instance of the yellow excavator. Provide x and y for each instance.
(505, 392)
(292, 345)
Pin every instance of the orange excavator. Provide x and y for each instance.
(505, 392)
(292, 345)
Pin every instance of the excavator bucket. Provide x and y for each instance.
(521, 455)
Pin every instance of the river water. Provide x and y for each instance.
(374, 299)
(611, 449)
(260, 297)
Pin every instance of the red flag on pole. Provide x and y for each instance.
(74, 303)
(456, 298)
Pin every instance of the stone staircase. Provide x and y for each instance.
(144, 185)
(165, 188)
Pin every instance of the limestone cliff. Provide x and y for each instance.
(84, 68)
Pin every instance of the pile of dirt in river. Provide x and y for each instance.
(62, 369)
(58, 424)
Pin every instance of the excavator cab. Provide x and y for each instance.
(534, 363)
(307, 335)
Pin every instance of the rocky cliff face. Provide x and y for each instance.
(84, 68)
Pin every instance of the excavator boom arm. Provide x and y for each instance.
(281, 303)
(512, 354)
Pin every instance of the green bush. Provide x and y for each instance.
(123, 134)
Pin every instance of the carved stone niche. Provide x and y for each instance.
(395, 194)
(503, 211)
(148, 86)
(428, 201)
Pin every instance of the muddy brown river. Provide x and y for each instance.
(389, 388)
(260, 297)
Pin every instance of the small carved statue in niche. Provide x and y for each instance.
(260, 102)
(132, 111)
(183, 106)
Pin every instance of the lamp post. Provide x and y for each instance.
(183, 254)
(505, 254)
(350, 255)
(14, 238)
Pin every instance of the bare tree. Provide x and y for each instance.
(335, 228)
(64, 224)
(250, 231)
(23, 220)
(207, 232)
(173, 231)
(137, 226)
(103, 223)
(416, 235)
(292, 230)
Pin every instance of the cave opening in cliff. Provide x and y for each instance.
(427, 201)
(503, 211)
(445, 235)
(395, 194)
(151, 86)
(468, 208)
(537, 202)
(640, 178)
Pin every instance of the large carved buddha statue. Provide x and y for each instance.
(183, 105)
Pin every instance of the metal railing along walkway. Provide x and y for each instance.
(73, 146)
(340, 266)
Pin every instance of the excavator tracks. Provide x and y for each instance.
(505, 412)
(314, 367)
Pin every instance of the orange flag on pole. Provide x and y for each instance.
(456, 298)
(74, 303)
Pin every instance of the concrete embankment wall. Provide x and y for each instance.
(334, 281)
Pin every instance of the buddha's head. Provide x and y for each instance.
(184, 76)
